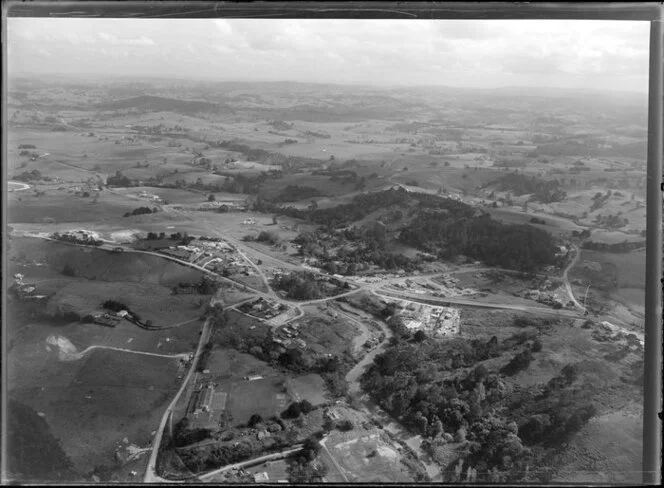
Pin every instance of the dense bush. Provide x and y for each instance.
(518, 363)
(300, 285)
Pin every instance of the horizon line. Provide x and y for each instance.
(204, 79)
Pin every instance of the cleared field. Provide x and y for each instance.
(111, 396)
(107, 368)
(309, 387)
(276, 470)
(95, 264)
(554, 225)
(627, 270)
(264, 397)
(60, 206)
(461, 179)
(324, 184)
(633, 298)
(150, 301)
(226, 362)
(171, 195)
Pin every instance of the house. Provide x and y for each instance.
(254, 377)
(122, 314)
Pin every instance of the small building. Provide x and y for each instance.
(261, 477)
(122, 314)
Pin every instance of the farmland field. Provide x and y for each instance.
(98, 401)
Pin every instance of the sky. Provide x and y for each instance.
(573, 54)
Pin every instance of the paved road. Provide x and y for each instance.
(446, 302)
(208, 477)
(150, 471)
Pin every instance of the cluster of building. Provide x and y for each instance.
(446, 287)
(288, 337)
(263, 309)
(107, 319)
(551, 299)
(439, 321)
(149, 196)
(206, 404)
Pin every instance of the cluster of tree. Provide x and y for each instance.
(319, 135)
(406, 380)
(287, 162)
(599, 200)
(34, 175)
(510, 163)
(184, 239)
(209, 458)
(27, 146)
(361, 206)
(114, 305)
(554, 415)
(367, 246)
(296, 409)
(300, 285)
(119, 180)
(520, 247)
(302, 468)
(206, 286)
(34, 454)
(618, 247)
(294, 193)
(77, 239)
(268, 237)
(611, 221)
(518, 363)
(584, 234)
(184, 435)
(141, 211)
(536, 220)
(520, 184)
(593, 148)
(204, 357)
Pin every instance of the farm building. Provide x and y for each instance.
(207, 401)
(106, 320)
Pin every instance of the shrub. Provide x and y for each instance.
(254, 419)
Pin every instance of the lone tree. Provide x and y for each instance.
(211, 197)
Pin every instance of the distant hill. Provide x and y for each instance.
(161, 104)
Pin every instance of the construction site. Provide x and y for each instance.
(437, 321)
